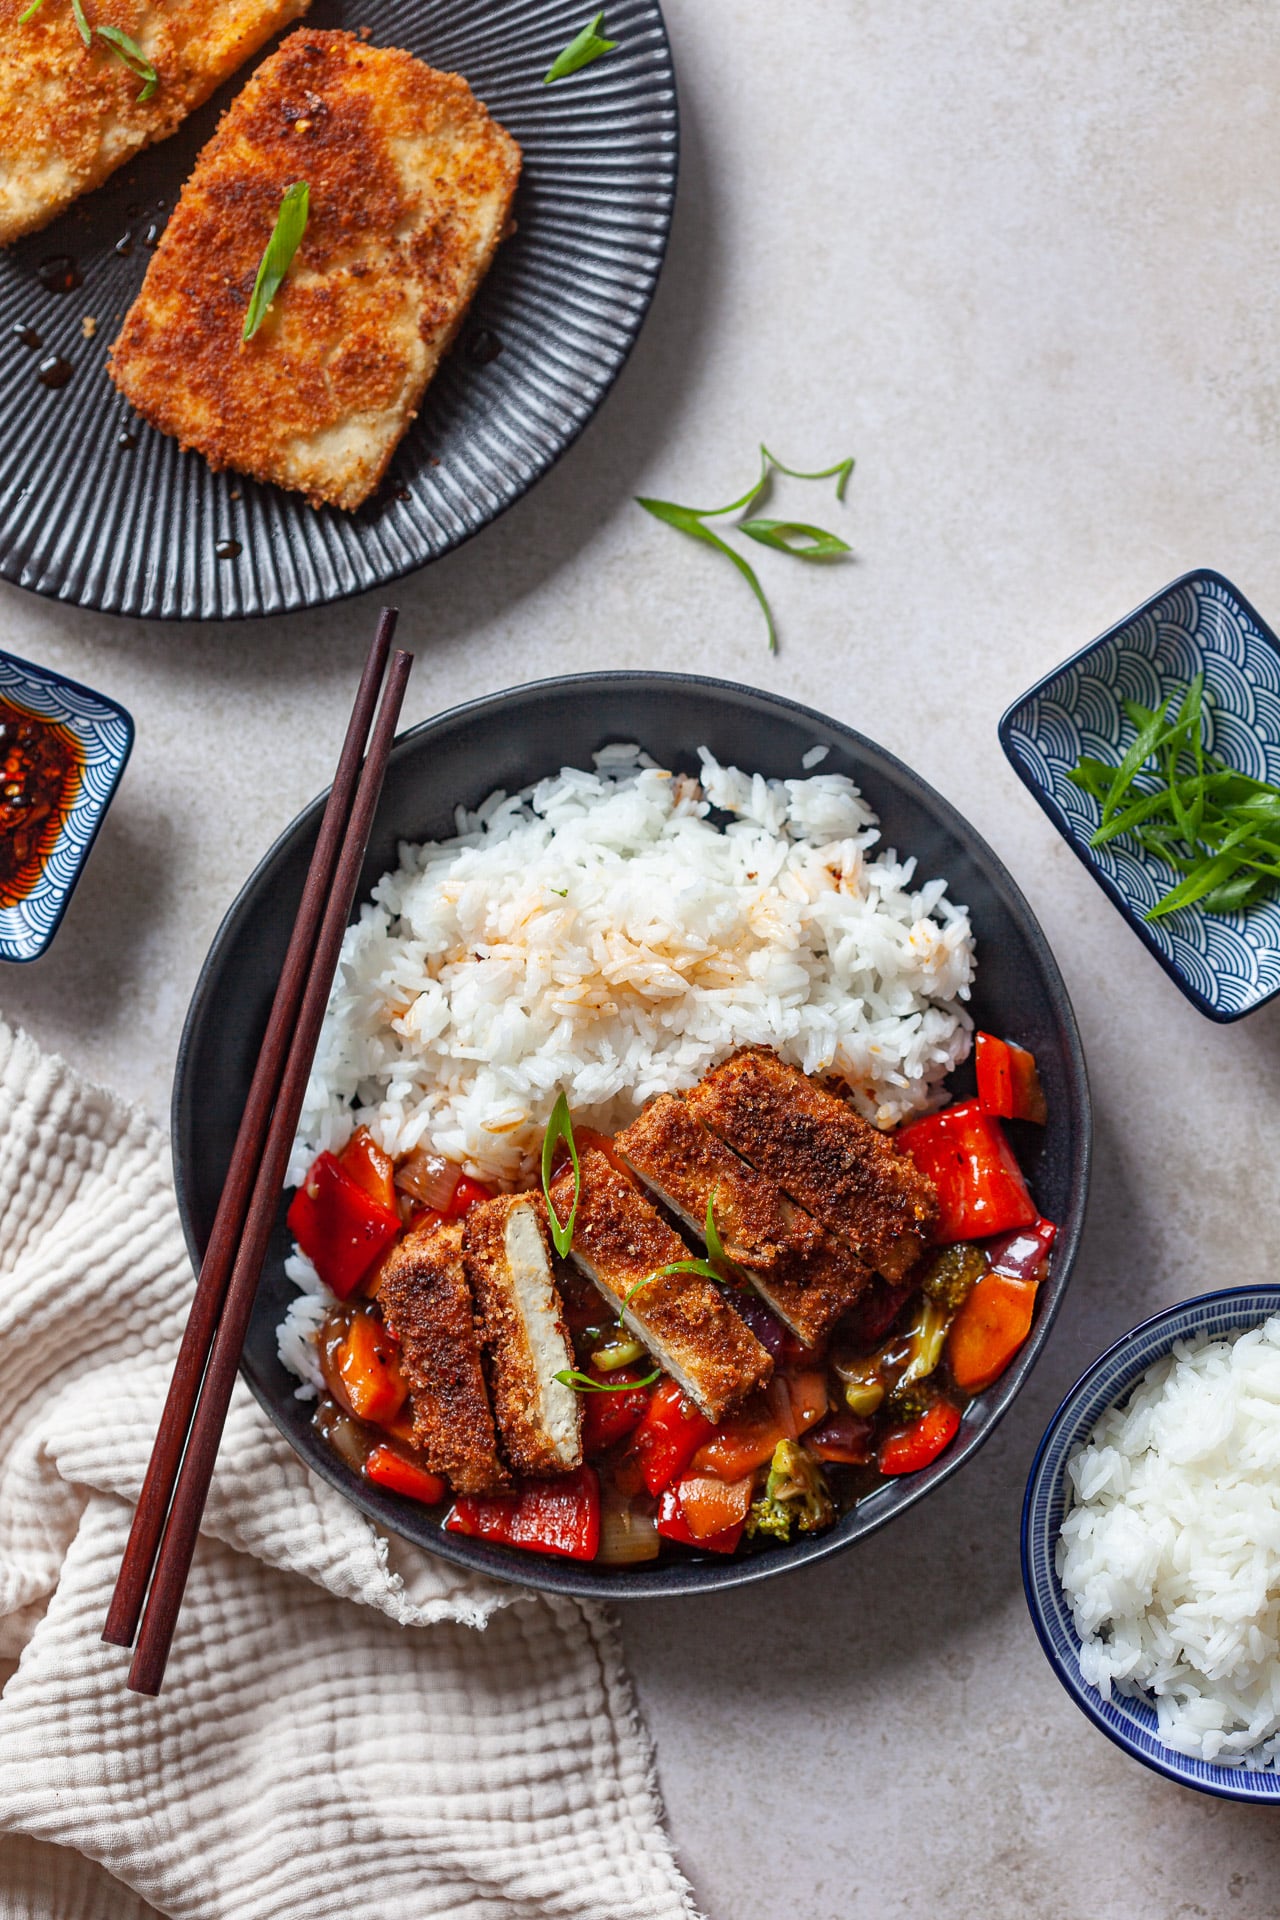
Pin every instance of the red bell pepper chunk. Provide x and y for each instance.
(980, 1186)
(610, 1417)
(546, 1516)
(907, 1449)
(467, 1194)
(669, 1435)
(341, 1228)
(843, 1438)
(672, 1523)
(1024, 1253)
(387, 1467)
(1008, 1082)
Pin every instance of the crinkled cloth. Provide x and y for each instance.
(334, 1737)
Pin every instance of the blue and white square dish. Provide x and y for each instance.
(104, 733)
(1226, 963)
(1131, 1722)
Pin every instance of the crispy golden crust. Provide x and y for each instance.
(426, 1302)
(70, 115)
(848, 1175)
(619, 1240)
(525, 1338)
(411, 184)
(807, 1276)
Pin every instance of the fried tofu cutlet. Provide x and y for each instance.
(426, 1302)
(70, 114)
(410, 185)
(522, 1320)
(693, 1333)
(824, 1155)
(802, 1272)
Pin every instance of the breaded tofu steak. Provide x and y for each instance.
(410, 185)
(70, 114)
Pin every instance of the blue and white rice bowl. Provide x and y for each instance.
(1129, 1721)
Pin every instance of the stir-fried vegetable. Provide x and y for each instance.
(669, 1435)
(387, 1467)
(989, 1328)
(547, 1516)
(919, 1441)
(673, 1525)
(370, 1168)
(362, 1371)
(980, 1186)
(341, 1228)
(796, 1498)
(1008, 1082)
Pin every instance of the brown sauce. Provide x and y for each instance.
(40, 766)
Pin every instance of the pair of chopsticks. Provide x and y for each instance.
(162, 1539)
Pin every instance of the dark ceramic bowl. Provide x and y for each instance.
(508, 740)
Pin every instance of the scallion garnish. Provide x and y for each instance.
(711, 1232)
(1218, 828)
(134, 58)
(796, 537)
(560, 1127)
(583, 1383)
(286, 238)
(123, 45)
(711, 1269)
(580, 52)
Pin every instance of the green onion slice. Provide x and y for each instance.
(86, 31)
(795, 536)
(134, 58)
(580, 52)
(583, 1383)
(560, 1127)
(286, 238)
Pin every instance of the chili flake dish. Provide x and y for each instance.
(733, 1263)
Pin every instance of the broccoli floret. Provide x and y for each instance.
(952, 1275)
(910, 1400)
(795, 1498)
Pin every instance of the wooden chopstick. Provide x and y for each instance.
(173, 1561)
(215, 1268)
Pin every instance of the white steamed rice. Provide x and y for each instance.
(1169, 1554)
(601, 934)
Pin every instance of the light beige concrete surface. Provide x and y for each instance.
(1023, 260)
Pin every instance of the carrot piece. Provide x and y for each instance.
(711, 1505)
(988, 1330)
(742, 1443)
(368, 1368)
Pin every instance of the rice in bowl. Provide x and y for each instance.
(1169, 1553)
(606, 934)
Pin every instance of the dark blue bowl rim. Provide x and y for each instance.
(50, 677)
(1049, 806)
(1075, 1688)
(541, 1573)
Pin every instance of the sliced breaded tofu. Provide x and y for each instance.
(410, 185)
(803, 1273)
(824, 1155)
(526, 1341)
(70, 114)
(683, 1319)
(426, 1302)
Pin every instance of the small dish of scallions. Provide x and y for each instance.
(1155, 751)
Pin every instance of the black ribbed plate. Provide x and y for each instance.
(136, 529)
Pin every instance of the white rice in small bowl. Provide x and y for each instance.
(1169, 1553)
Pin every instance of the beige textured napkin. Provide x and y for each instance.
(335, 1737)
